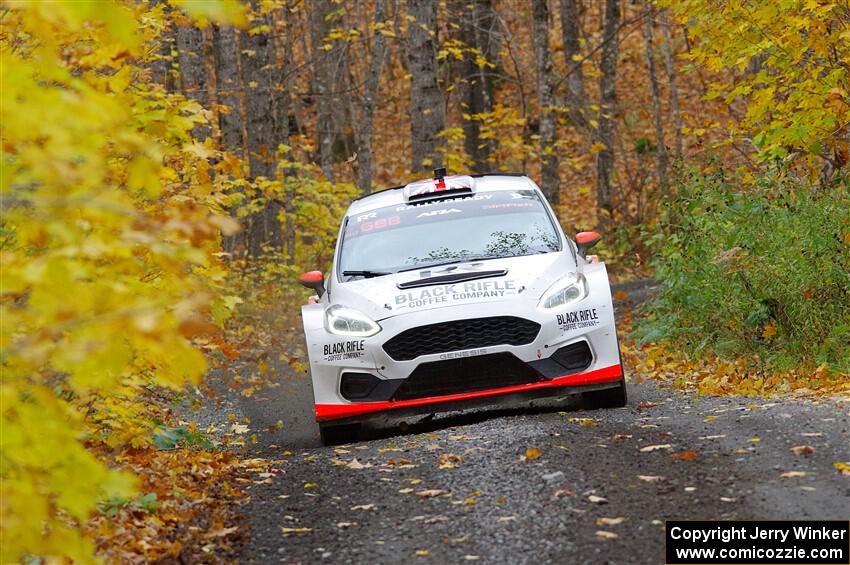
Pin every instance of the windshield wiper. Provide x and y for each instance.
(364, 274)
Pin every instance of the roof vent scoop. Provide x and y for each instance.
(441, 186)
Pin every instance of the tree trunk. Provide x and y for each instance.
(282, 41)
(576, 98)
(193, 76)
(477, 32)
(667, 49)
(323, 83)
(208, 34)
(377, 54)
(605, 193)
(550, 181)
(661, 147)
(427, 109)
(252, 127)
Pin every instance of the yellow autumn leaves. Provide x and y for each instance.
(787, 61)
(108, 239)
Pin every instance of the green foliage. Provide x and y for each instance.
(142, 503)
(764, 271)
(170, 437)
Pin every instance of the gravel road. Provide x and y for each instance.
(461, 488)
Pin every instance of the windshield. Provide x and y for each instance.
(484, 226)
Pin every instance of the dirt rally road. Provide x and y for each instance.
(460, 489)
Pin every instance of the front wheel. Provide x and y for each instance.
(610, 397)
(339, 433)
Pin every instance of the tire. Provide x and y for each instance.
(338, 434)
(616, 397)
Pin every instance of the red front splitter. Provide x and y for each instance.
(325, 412)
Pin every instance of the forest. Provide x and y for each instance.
(170, 166)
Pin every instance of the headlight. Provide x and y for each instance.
(571, 288)
(340, 320)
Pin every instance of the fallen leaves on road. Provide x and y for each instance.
(448, 460)
(802, 450)
(610, 521)
(793, 474)
(296, 530)
(583, 421)
(843, 468)
(619, 437)
(432, 492)
(650, 478)
(686, 455)
(423, 552)
(400, 463)
(345, 525)
(353, 464)
(561, 493)
(602, 534)
(645, 405)
(597, 499)
(532, 453)
(649, 448)
(363, 507)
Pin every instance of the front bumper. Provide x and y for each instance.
(577, 383)
(531, 361)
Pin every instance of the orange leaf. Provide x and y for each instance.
(802, 450)
(769, 331)
(686, 455)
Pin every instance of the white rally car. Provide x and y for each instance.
(454, 292)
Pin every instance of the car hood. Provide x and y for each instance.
(492, 280)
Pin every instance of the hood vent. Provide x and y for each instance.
(452, 278)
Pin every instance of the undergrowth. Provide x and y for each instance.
(760, 272)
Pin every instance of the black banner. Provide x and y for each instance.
(768, 542)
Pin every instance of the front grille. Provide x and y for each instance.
(467, 374)
(461, 334)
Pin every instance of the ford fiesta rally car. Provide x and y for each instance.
(452, 292)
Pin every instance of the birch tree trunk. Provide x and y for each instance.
(427, 108)
(550, 181)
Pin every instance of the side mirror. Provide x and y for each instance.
(314, 280)
(586, 240)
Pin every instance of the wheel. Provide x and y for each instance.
(338, 434)
(610, 397)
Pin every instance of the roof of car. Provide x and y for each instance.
(483, 182)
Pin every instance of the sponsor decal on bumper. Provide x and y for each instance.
(326, 412)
